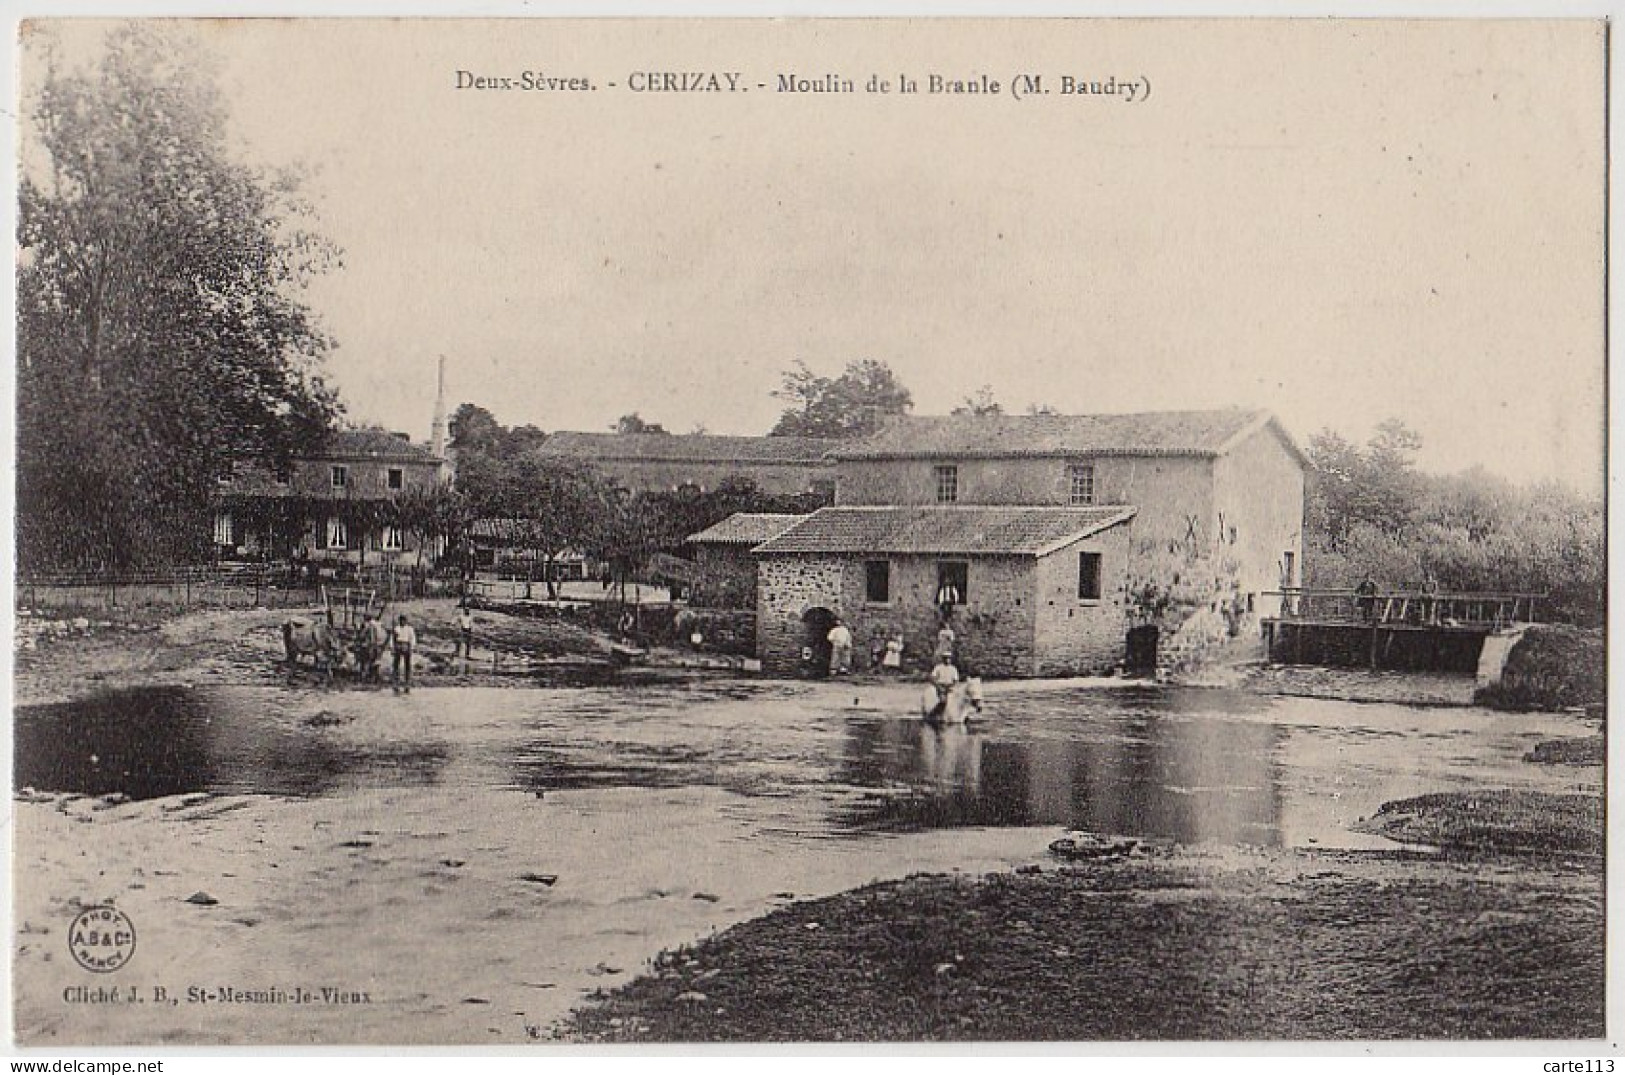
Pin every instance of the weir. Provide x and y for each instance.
(1403, 630)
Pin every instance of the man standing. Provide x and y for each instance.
(840, 649)
(465, 630)
(374, 640)
(403, 638)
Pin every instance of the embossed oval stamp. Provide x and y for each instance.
(102, 939)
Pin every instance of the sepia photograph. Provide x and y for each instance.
(564, 532)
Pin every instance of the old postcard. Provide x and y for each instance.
(679, 530)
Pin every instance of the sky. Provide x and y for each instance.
(1338, 221)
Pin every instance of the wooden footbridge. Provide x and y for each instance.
(1410, 630)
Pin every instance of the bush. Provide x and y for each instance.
(1552, 667)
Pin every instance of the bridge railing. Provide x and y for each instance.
(1415, 607)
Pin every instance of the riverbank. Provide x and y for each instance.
(1185, 944)
(59, 660)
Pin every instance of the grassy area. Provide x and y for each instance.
(1281, 945)
(1495, 820)
(1552, 667)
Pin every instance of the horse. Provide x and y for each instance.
(963, 701)
(321, 640)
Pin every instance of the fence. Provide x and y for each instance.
(198, 587)
(1417, 607)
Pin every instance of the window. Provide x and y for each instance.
(1289, 570)
(338, 536)
(283, 474)
(396, 478)
(947, 484)
(392, 539)
(1080, 478)
(953, 583)
(223, 534)
(877, 582)
(1088, 576)
(341, 477)
(228, 471)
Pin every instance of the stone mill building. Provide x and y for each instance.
(1065, 545)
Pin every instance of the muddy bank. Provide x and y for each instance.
(244, 648)
(1240, 945)
(1498, 819)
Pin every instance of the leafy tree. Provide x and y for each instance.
(436, 513)
(159, 329)
(981, 404)
(551, 506)
(854, 404)
(474, 431)
(1370, 512)
(634, 423)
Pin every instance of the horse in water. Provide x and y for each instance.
(320, 640)
(962, 701)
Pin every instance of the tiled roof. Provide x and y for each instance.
(1204, 433)
(372, 443)
(686, 448)
(965, 531)
(745, 528)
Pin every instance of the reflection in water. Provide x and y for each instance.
(1187, 765)
(152, 742)
(1161, 776)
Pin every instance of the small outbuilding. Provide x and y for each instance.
(1027, 591)
(725, 571)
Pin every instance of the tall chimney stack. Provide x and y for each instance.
(437, 433)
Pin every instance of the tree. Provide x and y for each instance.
(1376, 486)
(634, 423)
(158, 326)
(550, 506)
(435, 513)
(854, 404)
(474, 432)
(981, 404)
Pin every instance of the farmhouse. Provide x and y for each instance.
(1072, 544)
(655, 462)
(333, 505)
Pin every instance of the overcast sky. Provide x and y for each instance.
(1337, 221)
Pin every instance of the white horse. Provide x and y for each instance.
(964, 700)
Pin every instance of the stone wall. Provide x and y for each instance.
(1075, 636)
(724, 576)
(787, 587)
(993, 629)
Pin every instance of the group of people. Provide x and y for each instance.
(373, 639)
(885, 650)
(886, 655)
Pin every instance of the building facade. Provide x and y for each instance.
(332, 506)
(662, 462)
(1198, 520)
